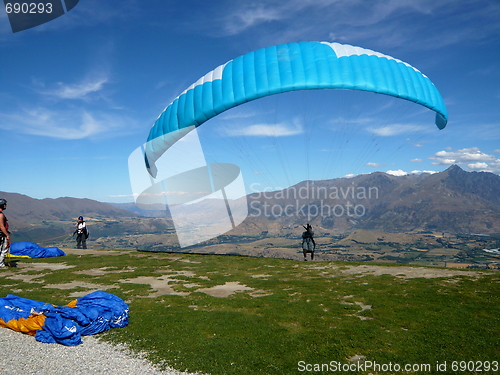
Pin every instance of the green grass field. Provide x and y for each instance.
(288, 317)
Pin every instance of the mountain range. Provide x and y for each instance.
(452, 201)
(32, 219)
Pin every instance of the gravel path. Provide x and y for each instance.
(23, 355)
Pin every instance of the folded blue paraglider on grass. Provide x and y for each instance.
(33, 250)
(94, 313)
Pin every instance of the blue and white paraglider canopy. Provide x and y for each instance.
(289, 67)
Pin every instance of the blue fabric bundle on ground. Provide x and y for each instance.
(33, 250)
(14, 307)
(94, 313)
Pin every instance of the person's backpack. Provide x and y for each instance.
(86, 232)
(308, 234)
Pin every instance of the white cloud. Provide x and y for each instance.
(416, 160)
(124, 196)
(79, 90)
(374, 165)
(383, 22)
(473, 158)
(61, 124)
(420, 172)
(390, 130)
(245, 18)
(261, 130)
(239, 18)
(478, 166)
(398, 173)
(237, 115)
(48, 114)
(461, 156)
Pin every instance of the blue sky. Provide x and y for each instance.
(80, 93)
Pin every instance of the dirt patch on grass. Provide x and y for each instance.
(27, 278)
(161, 285)
(79, 284)
(360, 304)
(179, 273)
(164, 286)
(42, 266)
(103, 271)
(406, 272)
(95, 252)
(260, 276)
(225, 290)
(260, 293)
(363, 306)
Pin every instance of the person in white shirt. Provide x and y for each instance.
(81, 233)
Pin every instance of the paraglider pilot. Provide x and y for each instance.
(308, 244)
(81, 233)
(4, 233)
